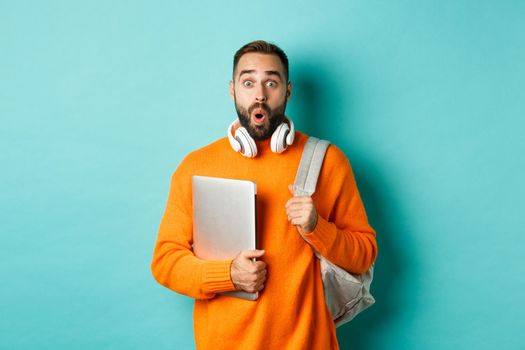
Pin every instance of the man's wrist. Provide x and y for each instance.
(217, 276)
(314, 225)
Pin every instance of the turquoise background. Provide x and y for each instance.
(101, 100)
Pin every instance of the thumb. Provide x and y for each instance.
(290, 188)
(250, 254)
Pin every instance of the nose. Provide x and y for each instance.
(260, 94)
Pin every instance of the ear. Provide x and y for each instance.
(231, 90)
(288, 91)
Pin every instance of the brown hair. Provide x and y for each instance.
(264, 47)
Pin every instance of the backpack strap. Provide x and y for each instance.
(346, 295)
(310, 166)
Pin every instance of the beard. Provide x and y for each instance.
(261, 132)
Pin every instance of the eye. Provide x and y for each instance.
(247, 83)
(271, 83)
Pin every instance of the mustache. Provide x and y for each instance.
(260, 105)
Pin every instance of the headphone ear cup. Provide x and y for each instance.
(278, 142)
(247, 144)
(239, 142)
(234, 142)
(291, 135)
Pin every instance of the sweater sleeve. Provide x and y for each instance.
(342, 234)
(174, 265)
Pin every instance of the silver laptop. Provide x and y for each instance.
(224, 220)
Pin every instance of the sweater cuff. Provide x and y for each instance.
(323, 235)
(217, 277)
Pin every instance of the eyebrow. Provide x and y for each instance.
(268, 72)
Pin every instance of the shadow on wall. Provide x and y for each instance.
(319, 112)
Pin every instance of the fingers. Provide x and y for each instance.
(304, 218)
(246, 274)
(251, 267)
(299, 202)
(251, 254)
(299, 221)
(300, 212)
(260, 266)
(297, 217)
(253, 282)
(293, 212)
(300, 199)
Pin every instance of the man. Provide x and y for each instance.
(290, 312)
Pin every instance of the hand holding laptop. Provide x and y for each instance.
(247, 274)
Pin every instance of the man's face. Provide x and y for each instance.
(260, 92)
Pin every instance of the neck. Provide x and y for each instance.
(263, 145)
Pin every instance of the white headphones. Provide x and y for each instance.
(240, 140)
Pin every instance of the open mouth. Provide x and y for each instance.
(259, 116)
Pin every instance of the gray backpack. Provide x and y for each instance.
(346, 294)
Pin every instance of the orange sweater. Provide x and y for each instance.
(290, 312)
